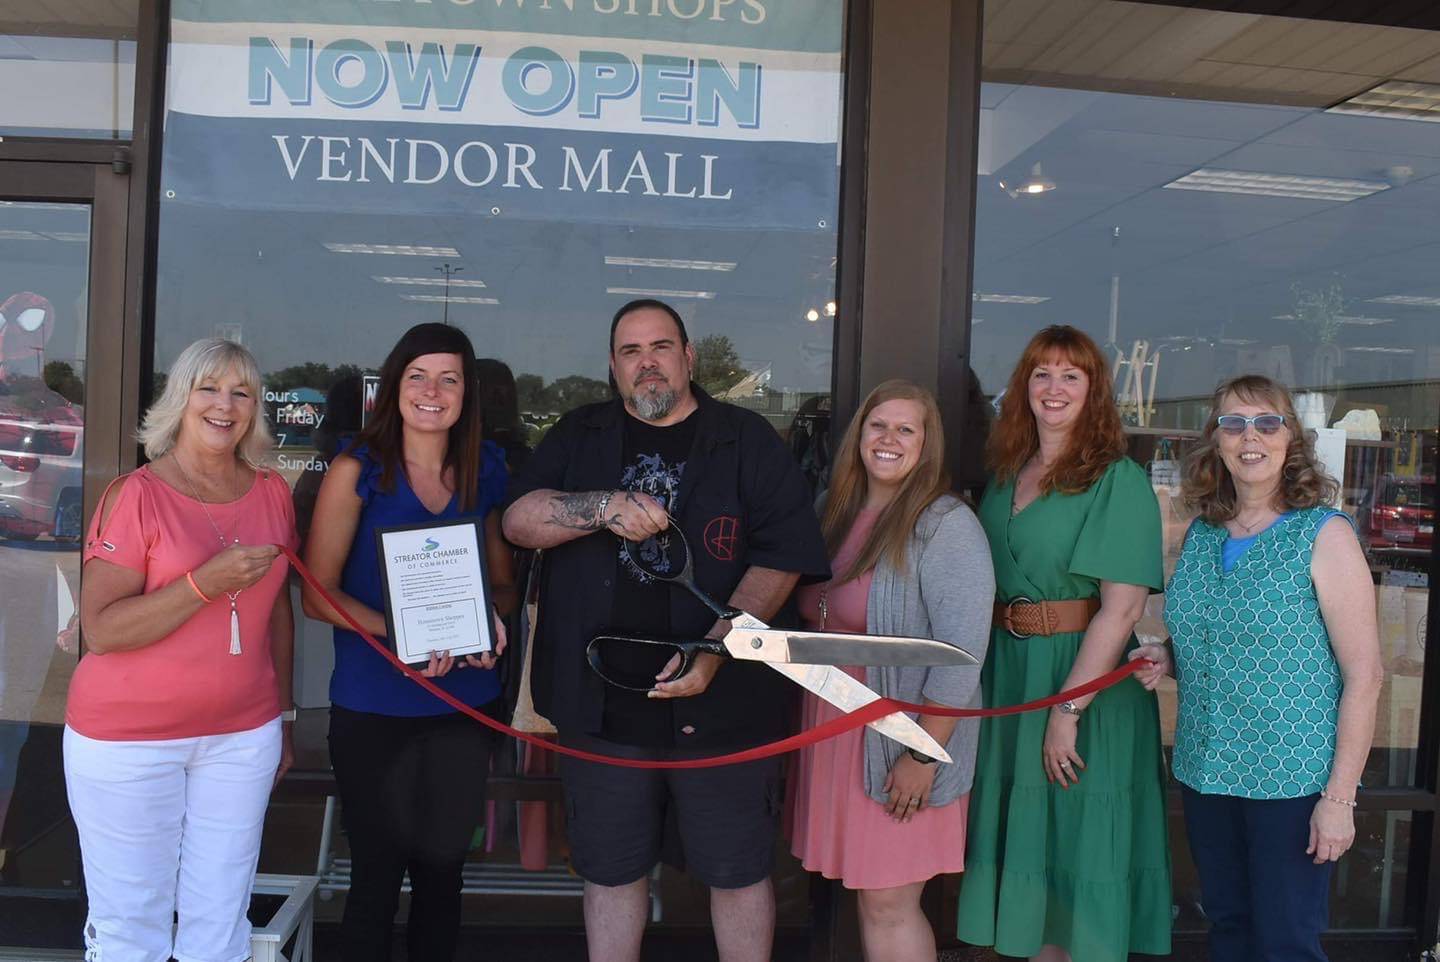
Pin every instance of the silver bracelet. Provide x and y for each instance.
(600, 509)
(1337, 799)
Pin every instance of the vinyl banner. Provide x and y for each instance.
(655, 112)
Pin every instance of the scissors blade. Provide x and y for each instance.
(840, 648)
(848, 694)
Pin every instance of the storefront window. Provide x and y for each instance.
(68, 70)
(336, 172)
(1208, 194)
(44, 292)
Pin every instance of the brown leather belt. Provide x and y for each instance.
(1024, 618)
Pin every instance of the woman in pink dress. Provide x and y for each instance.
(909, 558)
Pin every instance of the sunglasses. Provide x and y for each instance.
(1235, 424)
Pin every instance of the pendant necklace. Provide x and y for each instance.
(234, 612)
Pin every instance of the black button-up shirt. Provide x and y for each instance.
(742, 502)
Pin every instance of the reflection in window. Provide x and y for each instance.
(1210, 198)
(519, 171)
(77, 75)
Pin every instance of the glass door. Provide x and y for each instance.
(51, 292)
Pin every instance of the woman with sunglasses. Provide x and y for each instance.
(1277, 656)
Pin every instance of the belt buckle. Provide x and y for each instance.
(1010, 616)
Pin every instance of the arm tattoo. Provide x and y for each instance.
(577, 511)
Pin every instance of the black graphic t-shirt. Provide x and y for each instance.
(653, 463)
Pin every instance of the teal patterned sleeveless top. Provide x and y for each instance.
(1259, 684)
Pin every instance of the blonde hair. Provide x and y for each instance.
(1206, 484)
(849, 484)
(207, 357)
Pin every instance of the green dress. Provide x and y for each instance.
(1086, 868)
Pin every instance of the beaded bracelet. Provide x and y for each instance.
(190, 577)
(1337, 800)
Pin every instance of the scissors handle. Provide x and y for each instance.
(686, 649)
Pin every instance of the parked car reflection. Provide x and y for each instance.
(41, 472)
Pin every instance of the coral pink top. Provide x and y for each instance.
(186, 684)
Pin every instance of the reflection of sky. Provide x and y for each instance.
(296, 301)
(1203, 276)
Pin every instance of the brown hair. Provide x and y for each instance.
(385, 434)
(1097, 439)
(849, 484)
(1206, 484)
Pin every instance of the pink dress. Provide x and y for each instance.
(837, 829)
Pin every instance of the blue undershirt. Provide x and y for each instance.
(1234, 548)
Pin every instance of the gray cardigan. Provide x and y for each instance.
(946, 593)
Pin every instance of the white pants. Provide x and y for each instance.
(170, 827)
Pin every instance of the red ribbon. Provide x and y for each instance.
(836, 726)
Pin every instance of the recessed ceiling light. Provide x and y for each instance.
(1383, 350)
(410, 250)
(979, 298)
(1277, 185)
(672, 262)
(441, 298)
(1357, 320)
(43, 235)
(426, 281)
(1398, 99)
(646, 292)
(1407, 300)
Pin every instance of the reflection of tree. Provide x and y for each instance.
(1316, 316)
(717, 366)
(311, 374)
(61, 378)
(575, 390)
(530, 392)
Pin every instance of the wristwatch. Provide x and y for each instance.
(1069, 708)
(920, 757)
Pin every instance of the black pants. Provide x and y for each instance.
(412, 791)
(1267, 900)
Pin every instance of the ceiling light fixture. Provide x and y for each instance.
(812, 315)
(646, 292)
(1407, 300)
(426, 281)
(979, 298)
(1297, 186)
(440, 299)
(1397, 99)
(408, 250)
(671, 262)
(1036, 183)
(1383, 350)
(1357, 320)
(829, 308)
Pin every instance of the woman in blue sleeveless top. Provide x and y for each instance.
(1277, 657)
(409, 769)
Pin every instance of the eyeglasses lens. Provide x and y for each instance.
(1264, 423)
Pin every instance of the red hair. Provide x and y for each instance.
(1096, 441)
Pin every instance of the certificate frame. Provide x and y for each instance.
(435, 595)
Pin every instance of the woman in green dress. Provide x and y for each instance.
(1068, 855)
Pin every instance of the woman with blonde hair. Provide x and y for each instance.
(1277, 657)
(173, 725)
(1068, 855)
(908, 558)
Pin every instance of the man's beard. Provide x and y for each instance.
(653, 405)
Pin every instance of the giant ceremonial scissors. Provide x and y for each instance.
(809, 658)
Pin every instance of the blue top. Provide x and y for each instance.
(1234, 547)
(1259, 691)
(362, 680)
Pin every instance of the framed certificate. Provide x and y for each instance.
(436, 589)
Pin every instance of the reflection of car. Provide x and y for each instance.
(41, 472)
(1403, 515)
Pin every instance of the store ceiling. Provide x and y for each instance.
(1199, 267)
(114, 19)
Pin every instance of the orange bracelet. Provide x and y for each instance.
(190, 577)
